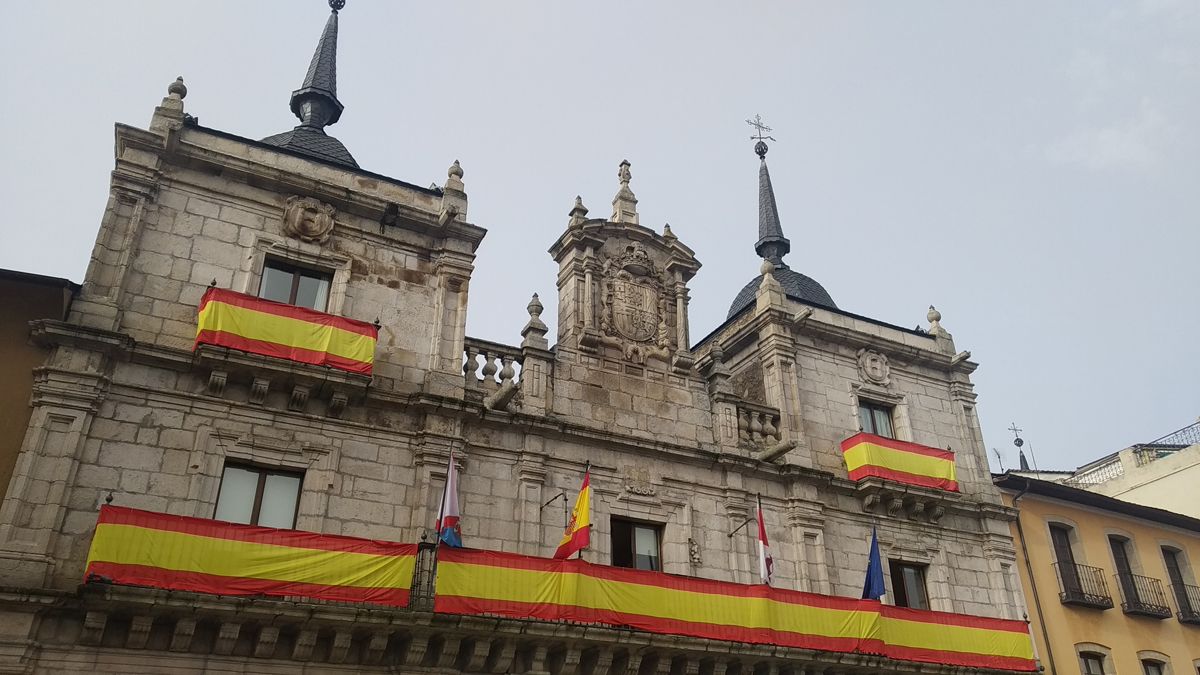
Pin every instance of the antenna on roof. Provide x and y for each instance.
(999, 459)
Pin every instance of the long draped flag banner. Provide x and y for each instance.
(505, 584)
(867, 455)
(250, 324)
(141, 548)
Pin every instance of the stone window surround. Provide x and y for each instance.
(1181, 554)
(1131, 550)
(901, 424)
(1077, 549)
(1157, 657)
(1082, 648)
(249, 276)
(936, 585)
(214, 448)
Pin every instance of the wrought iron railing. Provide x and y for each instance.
(1082, 586)
(1143, 596)
(1188, 600)
(424, 575)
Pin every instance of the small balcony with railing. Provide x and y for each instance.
(1187, 598)
(1082, 586)
(1142, 596)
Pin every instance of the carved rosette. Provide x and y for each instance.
(633, 315)
(873, 367)
(308, 219)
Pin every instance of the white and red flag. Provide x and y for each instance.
(766, 564)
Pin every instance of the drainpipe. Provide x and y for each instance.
(1037, 598)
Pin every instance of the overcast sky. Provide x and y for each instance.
(1031, 168)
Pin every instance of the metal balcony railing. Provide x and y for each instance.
(1188, 599)
(1082, 586)
(424, 575)
(1142, 596)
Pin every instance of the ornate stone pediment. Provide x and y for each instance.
(308, 219)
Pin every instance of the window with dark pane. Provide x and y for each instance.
(1152, 667)
(636, 544)
(256, 496)
(908, 584)
(300, 286)
(1092, 663)
(876, 419)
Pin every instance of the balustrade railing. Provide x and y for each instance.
(1187, 598)
(499, 364)
(1143, 596)
(1082, 586)
(758, 425)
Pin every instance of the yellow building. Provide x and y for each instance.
(1111, 586)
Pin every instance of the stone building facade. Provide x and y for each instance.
(681, 434)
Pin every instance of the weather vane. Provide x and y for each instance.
(760, 134)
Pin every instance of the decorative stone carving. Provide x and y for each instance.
(216, 382)
(694, 552)
(299, 397)
(308, 219)
(337, 403)
(633, 313)
(637, 481)
(873, 367)
(258, 390)
(748, 384)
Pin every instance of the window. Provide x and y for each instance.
(636, 545)
(1151, 667)
(908, 584)
(255, 496)
(284, 282)
(1120, 553)
(1091, 663)
(1068, 573)
(1173, 560)
(875, 419)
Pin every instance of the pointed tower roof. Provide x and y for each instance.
(316, 103)
(772, 246)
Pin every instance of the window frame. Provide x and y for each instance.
(875, 408)
(298, 271)
(260, 489)
(634, 524)
(900, 593)
(1098, 657)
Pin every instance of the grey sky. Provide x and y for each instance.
(1031, 168)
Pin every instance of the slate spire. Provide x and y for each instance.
(771, 244)
(316, 103)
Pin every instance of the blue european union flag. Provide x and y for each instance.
(873, 587)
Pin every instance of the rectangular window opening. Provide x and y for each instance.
(285, 282)
(636, 544)
(875, 418)
(1093, 664)
(255, 496)
(908, 584)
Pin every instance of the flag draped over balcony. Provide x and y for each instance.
(766, 564)
(447, 527)
(867, 456)
(244, 322)
(579, 528)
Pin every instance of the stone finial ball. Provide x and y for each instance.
(933, 315)
(335, 5)
(177, 87)
(760, 149)
(455, 170)
(767, 267)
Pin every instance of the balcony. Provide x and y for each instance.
(1188, 599)
(1082, 586)
(1142, 596)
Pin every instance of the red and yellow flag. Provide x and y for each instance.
(867, 455)
(579, 528)
(506, 584)
(230, 319)
(141, 548)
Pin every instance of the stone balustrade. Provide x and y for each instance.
(499, 364)
(757, 425)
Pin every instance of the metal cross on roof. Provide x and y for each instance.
(1015, 430)
(761, 130)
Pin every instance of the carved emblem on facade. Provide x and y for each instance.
(873, 367)
(637, 482)
(308, 219)
(634, 306)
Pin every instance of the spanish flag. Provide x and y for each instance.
(867, 455)
(250, 324)
(579, 529)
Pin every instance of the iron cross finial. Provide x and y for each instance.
(761, 130)
(1015, 430)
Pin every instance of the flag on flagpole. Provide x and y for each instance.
(873, 588)
(447, 526)
(766, 564)
(579, 528)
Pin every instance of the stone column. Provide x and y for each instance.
(452, 273)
